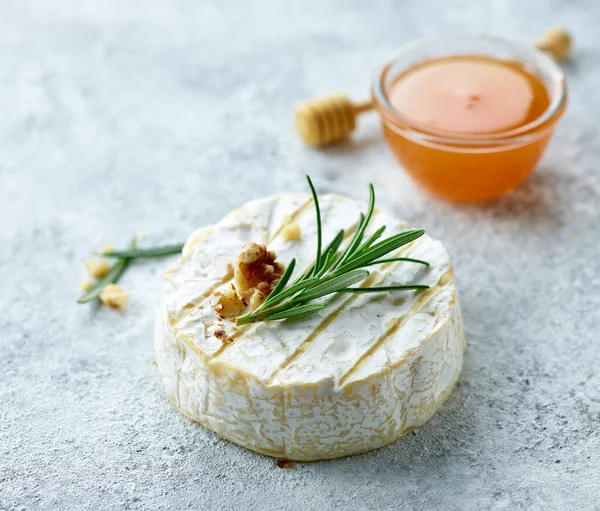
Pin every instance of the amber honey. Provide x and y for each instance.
(469, 127)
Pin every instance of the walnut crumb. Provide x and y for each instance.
(230, 305)
(222, 336)
(283, 463)
(257, 299)
(114, 296)
(97, 268)
(86, 285)
(291, 232)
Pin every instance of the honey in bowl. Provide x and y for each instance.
(470, 126)
(469, 95)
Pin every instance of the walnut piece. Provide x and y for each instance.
(230, 305)
(222, 336)
(251, 253)
(283, 464)
(255, 274)
(256, 299)
(256, 268)
(97, 268)
(113, 296)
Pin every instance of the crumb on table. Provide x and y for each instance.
(114, 296)
(97, 268)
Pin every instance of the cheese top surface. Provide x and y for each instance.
(355, 337)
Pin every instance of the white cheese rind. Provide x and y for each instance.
(355, 376)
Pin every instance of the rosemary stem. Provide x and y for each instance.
(260, 315)
(142, 253)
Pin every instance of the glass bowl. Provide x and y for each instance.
(469, 167)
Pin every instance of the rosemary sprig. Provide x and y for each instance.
(110, 278)
(125, 257)
(334, 271)
(142, 253)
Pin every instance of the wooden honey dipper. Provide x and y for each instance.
(324, 121)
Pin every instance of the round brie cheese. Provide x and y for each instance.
(354, 376)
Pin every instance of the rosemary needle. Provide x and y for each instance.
(382, 288)
(142, 253)
(398, 259)
(319, 226)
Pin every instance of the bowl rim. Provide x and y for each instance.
(522, 134)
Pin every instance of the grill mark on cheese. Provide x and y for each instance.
(268, 236)
(419, 303)
(294, 217)
(320, 328)
(375, 278)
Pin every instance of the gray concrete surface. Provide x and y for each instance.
(160, 116)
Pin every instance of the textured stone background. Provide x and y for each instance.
(159, 116)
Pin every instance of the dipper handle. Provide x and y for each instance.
(557, 43)
(328, 119)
